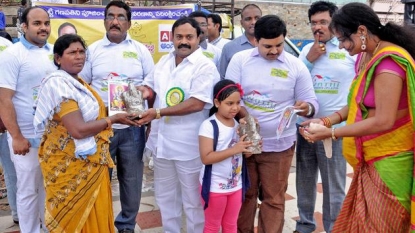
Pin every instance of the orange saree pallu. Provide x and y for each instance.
(381, 196)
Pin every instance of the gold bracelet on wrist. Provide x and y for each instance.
(109, 123)
(158, 115)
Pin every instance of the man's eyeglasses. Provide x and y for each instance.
(120, 18)
(321, 23)
(203, 25)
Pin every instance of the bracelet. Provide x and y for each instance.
(340, 116)
(158, 115)
(109, 123)
(326, 122)
(332, 134)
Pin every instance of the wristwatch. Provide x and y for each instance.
(310, 110)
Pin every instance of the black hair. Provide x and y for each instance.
(27, 11)
(216, 19)
(195, 14)
(23, 2)
(225, 93)
(270, 27)
(184, 20)
(64, 25)
(348, 18)
(119, 4)
(249, 6)
(322, 6)
(6, 35)
(63, 42)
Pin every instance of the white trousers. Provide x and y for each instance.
(177, 186)
(30, 196)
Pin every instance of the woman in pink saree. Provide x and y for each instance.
(378, 139)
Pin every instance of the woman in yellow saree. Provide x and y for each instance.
(379, 135)
(74, 155)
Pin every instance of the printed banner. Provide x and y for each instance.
(149, 25)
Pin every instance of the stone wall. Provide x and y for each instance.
(11, 14)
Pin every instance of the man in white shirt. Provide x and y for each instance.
(183, 84)
(332, 70)
(210, 51)
(272, 80)
(118, 57)
(23, 65)
(5, 159)
(214, 30)
(249, 16)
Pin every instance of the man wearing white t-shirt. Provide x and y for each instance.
(182, 84)
(272, 80)
(23, 65)
(210, 51)
(332, 71)
(5, 159)
(118, 57)
(214, 31)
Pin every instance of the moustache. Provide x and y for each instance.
(43, 31)
(184, 46)
(116, 27)
(318, 32)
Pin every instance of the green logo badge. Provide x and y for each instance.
(174, 96)
(279, 73)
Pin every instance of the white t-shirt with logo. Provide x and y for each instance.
(22, 70)
(332, 74)
(226, 174)
(129, 61)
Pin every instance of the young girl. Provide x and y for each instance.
(223, 175)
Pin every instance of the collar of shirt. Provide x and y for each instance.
(106, 41)
(29, 45)
(203, 44)
(192, 58)
(215, 41)
(333, 41)
(255, 53)
(244, 40)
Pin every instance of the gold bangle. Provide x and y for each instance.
(158, 115)
(332, 134)
(109, 123)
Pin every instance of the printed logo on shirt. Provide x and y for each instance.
(114, 76)
(235, 175)
(35, 92)
(126, 54)
(279, 73)
(256, 100)
(2, 48)
(337, 56)
(325, 85)
(209, 55)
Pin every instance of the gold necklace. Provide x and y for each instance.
(376, 49)
(365, 59)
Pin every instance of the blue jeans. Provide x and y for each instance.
(311, 158)
(9, 174)
(127, 146)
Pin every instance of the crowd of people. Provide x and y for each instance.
(352, 90)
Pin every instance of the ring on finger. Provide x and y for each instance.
(323, 49)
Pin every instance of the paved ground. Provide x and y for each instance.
(149, 217)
